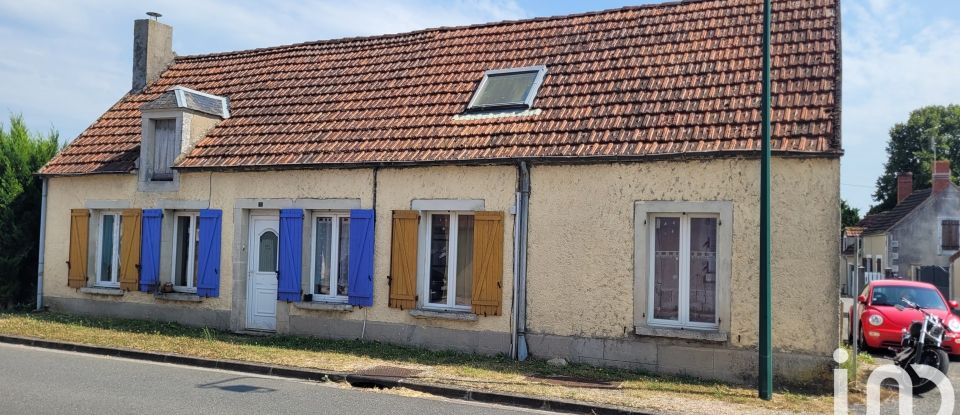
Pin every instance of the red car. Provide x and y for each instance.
(881, 324)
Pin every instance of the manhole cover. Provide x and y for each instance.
(575, 382)
(389, 372)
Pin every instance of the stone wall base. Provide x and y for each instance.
(706, 361)
(192, 316)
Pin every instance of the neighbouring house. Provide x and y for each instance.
(581, 186)
(914, 240)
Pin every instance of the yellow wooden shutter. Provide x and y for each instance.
(130, 249)
(77, 260)
(403, 260)
(487, 263)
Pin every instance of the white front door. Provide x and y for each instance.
(262, 273)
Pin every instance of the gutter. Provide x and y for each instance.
(43, 235)
(520, 260)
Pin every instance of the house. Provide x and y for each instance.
(917, 238)
(581, 186)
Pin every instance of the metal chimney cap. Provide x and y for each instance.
(154, 15)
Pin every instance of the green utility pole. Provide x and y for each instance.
(765, 379)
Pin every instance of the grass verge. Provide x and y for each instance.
(497, 373)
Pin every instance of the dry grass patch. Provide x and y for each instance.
(495, 373)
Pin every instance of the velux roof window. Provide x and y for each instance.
(513, 88)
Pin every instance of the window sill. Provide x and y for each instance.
(444, 315)
(713, 336)
(322, 306)
(185, 297)
(112, 292)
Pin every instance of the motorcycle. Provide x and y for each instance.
(922, 346)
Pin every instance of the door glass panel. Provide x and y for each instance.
(439, 241)
(464, 259)
(666, 269)
(268, 252)
(106, 248)
(183, 251)
(703, 270)
(343, 266)
(323, 248)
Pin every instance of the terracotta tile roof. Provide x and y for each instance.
(659, 80)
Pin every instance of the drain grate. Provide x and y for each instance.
(391, 372)
(575, 382)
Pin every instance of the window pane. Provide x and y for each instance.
(703, 270)
(106, 248)
(465, 260)
(268, 252)
(321, 271)
(182, 251)
(344, 249)
(666, 269)
(439, 238)
(509, 88)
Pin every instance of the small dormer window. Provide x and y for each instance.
(172, 125)
(513, 88)
(166, 148)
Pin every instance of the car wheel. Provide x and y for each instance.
(862, 342)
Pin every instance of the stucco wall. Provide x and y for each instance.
(919, 232)
(581, 251)
(396, 189)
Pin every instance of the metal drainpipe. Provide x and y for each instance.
(43, 234)
(523, 212)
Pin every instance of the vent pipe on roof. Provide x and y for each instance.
(152, 51)
(904, 185)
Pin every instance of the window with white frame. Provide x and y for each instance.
(108, 250)
(331, 256)
(447, 260)
(186, 235)
(683, 270)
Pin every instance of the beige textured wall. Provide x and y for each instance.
(221, 189)
(580, 277)
(397, 188)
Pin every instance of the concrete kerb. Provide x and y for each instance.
(446, 391)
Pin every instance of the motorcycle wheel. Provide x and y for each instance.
(935, 358)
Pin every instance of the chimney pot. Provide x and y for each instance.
(941, 175)
(904, 185)
(152, 51)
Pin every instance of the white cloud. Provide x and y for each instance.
(66, 62)
(897, 57)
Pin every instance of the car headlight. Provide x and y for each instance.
(876, 320)
(954, 325)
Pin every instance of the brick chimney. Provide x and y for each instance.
(904, 185)
(152, 51)
(941, 175)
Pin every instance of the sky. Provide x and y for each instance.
(67, 62)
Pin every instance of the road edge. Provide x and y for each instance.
(445, 391)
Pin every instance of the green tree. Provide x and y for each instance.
(909, 150)
(849, 216)
(21, 156)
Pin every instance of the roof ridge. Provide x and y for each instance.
(437, 29)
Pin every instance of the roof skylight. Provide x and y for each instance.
(508, 88)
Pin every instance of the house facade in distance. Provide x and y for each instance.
(917, 239)
(580, 186)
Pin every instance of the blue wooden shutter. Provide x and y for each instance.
(360, 274)
(291, 255)
(208, 267)
(150, 249)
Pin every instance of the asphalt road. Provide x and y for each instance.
(41, 381)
